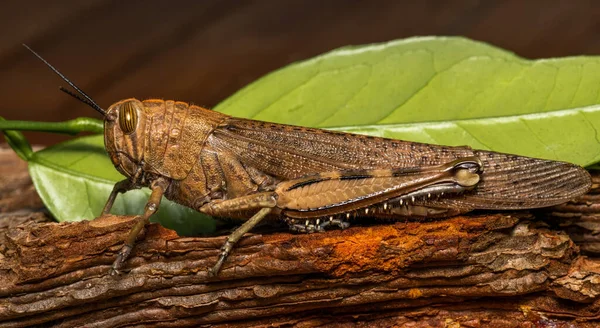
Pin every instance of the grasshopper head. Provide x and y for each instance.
(124, 130)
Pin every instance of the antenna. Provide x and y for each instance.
(86, 99)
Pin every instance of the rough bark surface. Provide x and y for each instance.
(515, 269)
(580, 218)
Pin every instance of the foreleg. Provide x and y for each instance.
(158, 187)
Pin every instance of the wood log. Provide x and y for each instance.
(580, 218)
(491, 269)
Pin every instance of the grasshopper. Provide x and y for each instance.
(311, 179)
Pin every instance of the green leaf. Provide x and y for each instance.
(74, 179)
(440, 90)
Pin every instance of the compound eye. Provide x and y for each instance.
(128, 117)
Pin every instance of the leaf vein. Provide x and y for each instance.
(538, 138)
(553, 88)
(472, 135)
(596, 133)
(335, 111)
(577, 87)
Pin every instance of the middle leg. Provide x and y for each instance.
(265, 201)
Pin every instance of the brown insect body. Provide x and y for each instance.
(210, 156)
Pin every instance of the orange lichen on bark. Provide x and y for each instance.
(393, 247)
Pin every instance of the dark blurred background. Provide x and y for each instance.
(202, 51)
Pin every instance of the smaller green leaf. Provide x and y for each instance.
(75, 178)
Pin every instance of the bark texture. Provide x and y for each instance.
(517, 269)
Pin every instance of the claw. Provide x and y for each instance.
(121, 257)
(225, 250)
(212, 272)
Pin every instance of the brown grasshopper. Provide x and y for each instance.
(312, 179)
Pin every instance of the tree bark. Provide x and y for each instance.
(494, 270)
